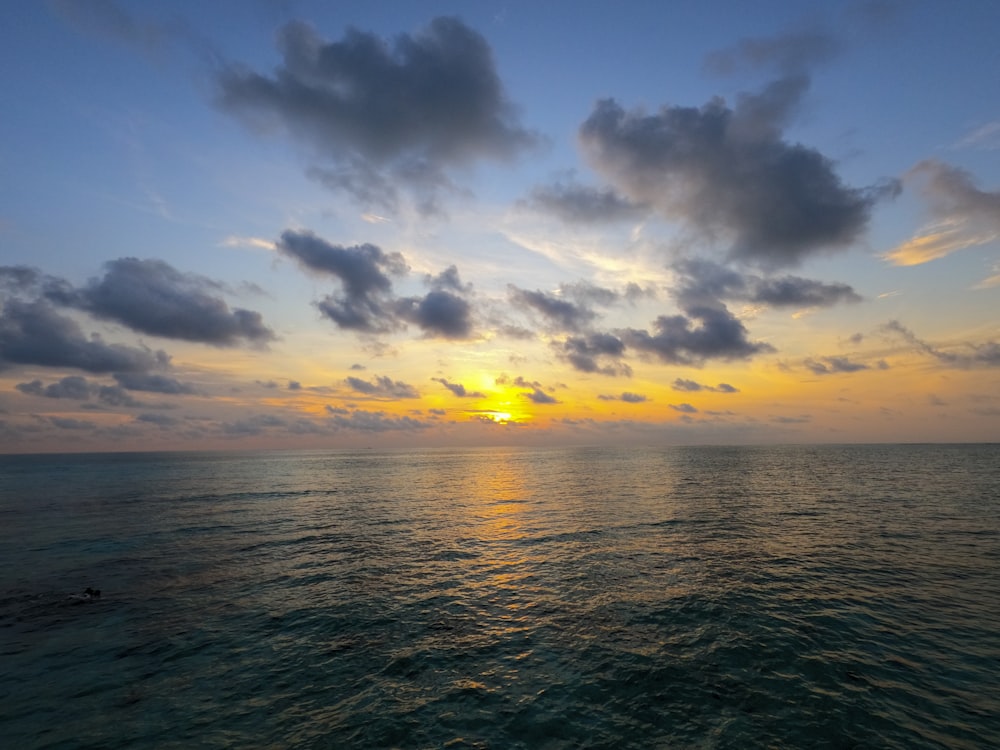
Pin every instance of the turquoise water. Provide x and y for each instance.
(796, 597)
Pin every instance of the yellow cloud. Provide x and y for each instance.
(932, 245)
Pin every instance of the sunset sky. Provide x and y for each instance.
(230, 225)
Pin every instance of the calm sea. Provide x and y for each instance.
(709, 597)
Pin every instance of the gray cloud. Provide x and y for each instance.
(458, 389)
(627, 397)
(33, 333)
(832, 365)
(380, 114)
(586, 354)
(152, 297)
(382, 387)
(684, 408)
(439, 313)
(560, 313)
(793, 291)
(363, 271)
(581, 204)
(152, 383)
(705, 332)
(728, 173)
(691, 386)
(538, 396)
(787, 53)
(73, 386)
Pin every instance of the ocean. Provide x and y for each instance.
(658, 597)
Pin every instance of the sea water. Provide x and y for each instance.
(707, 597)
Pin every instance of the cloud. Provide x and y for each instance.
(986, 354)
(691, 386)
(701, 280)
(586, 353)
(965, 215)
(160, 420)
(458, 389)
(705, 332)
(33, 333)
(73, 386)
(788, 53)
(538, 396)
(382, 387)
(153, 383)
(439, 313)
(448, 280)
(728, 173)
(627, 397)
(832, 365)
(378, 114)
(375, 421)
(560, 313)
(582, 204)
(364, 272)
(684, 408)
(67, 423)
(152, 297)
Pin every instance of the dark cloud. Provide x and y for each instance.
(581, 204)
(684, 408)
(152, 297)
(705, 332)
(152, 383)
(382, 387)
(728, 173)
(591, 353)
(381, 114)
(833, 365)
(364, 272)
(793, 291)
(439, 313)
(538, 396)
(73, 386)
(789, 53)
(115, 395)
(952, 194)
(703, 280)
(294, 385)
(562, 314)
(691, 386)
(458, 389)
(33, 333)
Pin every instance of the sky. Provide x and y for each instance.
(266, 225)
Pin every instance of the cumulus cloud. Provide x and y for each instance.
(382, 387)
(727, 172)
(458, 389)
(703, 333)
(595, 352)
(439, 313)
(378, 114)
(375, 421)
(364, 272)
(964, 216)
(684, 408)
(33, 333)
(152, 297)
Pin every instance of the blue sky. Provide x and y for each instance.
(288, 224)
